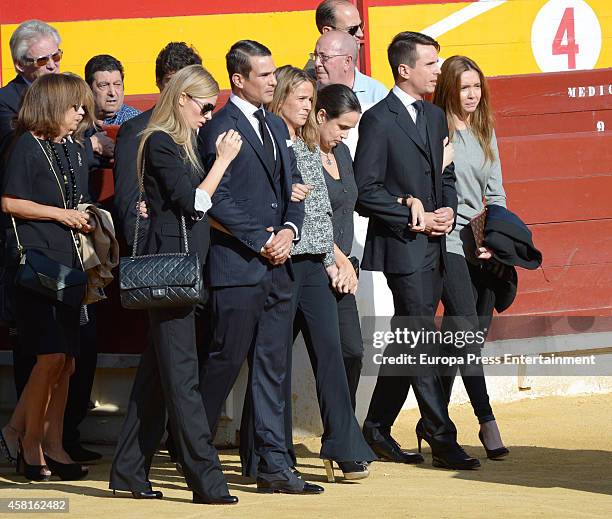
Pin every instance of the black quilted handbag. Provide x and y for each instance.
(160, 280)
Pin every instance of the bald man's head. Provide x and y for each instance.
(336, 58)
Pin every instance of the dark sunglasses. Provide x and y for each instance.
(352, 30)
(205, 108)
(78, 107)
(41, 61)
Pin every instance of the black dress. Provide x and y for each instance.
(44, 326)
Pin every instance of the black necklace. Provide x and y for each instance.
(70, 185)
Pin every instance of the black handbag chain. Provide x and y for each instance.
(137, 226)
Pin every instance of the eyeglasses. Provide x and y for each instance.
(324, 58)
(41, 61)
(352, 30)
(204, 108)
(79, 107)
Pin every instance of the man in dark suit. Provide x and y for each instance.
(10, 98)
(400, 154)
(172, 58)
(247, 267)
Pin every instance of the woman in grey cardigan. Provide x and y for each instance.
(314, 304)
(463, 94)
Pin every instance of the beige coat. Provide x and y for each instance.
(99, 251)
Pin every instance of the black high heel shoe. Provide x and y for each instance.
(66, 471)
(421, 434)
(350, 469)
(5, 451)
(30, 472)
(493, 454)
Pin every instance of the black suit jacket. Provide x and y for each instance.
(10, 99)
(126, 176)
(391, 161)
(170, 187)
(248, 199)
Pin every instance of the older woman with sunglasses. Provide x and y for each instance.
(44, 181)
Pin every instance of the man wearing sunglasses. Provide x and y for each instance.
(340, 15)
(35, 51)
(337, 15)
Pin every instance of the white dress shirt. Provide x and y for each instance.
(407, 101)
(249, 112)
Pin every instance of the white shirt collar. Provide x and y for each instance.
(405, 98)
(244, 106)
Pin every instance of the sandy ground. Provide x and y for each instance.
(560, 465)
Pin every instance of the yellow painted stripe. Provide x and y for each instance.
(136, 42)
(498, 40)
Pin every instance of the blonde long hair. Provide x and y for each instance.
(288, 79)
(447, 96)
(194, 81)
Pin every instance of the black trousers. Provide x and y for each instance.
(81, 381)
(167, 381)
(460, 296)
(315, 314)
(351, 340)
(253, 322)
(416, 296)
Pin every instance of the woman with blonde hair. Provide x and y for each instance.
(462, 92)
(313, 303)
(45, 179)
(178, 194)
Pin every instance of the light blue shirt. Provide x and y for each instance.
(368, 90)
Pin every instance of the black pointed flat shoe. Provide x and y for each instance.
(143, 494)
(223, 500)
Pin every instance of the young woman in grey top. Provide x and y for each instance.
(313, 303)
(463, 94)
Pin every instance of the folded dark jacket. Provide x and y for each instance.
(512, 245)
(510, 239)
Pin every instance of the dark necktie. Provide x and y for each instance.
(421, 121)
(267, 140)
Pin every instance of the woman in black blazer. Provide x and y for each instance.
(167, 377)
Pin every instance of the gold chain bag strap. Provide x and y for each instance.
(39, 273)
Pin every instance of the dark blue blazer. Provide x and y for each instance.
(248, 199)
(10, 99)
